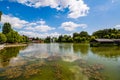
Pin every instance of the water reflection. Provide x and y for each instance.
(81, 48)
(59, 62)
(109, 52)
(7, 54)
(52, 68)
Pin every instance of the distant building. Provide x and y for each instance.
(35, 41)
(104, 42)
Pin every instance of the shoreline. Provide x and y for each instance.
(11, 45)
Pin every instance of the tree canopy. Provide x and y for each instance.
(2, 38)
(11, 36)
(107, 33)
(6, 28)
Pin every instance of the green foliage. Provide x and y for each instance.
(6, 28)
(60, 38)
(107, 33)
(7, 53)
(47, 40)
(65, 39)
(75, 35)
(2, 38)
(24, 39)
(83, 36)
(13, 37)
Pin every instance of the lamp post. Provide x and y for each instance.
(0, 18)
(0, 15)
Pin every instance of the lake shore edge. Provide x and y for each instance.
(11, 45)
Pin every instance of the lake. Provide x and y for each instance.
(65, 61)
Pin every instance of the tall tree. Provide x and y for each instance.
(6, 28)
(2, 38)
(107, 33)
(0, 15)
(13, 37)
(84, 34)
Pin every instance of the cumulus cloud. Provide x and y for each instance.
(117, 26)
(17, 23)
(71, 26)
(77, 8)
(31, 29)
(41, 35)
(39, 26)
(14, 21)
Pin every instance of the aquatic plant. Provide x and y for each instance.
(93, 72)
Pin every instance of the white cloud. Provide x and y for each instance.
(41, 35)
(77, 8)
(43, 28)
(14, 21)
(71, 26)
(8, 7)
(117, 26)
(40, 25)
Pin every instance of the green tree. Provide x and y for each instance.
(47, 40)
(75, 35)
(6, 28)
(107, 36)
(77, 39)
(107, 33)
(13, 37)
(118, 36)
(70, 39)
(2, 38)
(84, 34)
(25, 38)
(60, 38)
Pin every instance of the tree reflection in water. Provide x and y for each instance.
(8, 53)
(109, 52)
(52, 69)
(82, 48)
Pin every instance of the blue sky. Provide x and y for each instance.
(41, 18)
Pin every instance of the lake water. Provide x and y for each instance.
(60, 62)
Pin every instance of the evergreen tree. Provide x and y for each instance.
(6, 28)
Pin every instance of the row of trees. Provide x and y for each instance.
(77, 37)
(107, 33)
(83, 36)
(11, 36)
